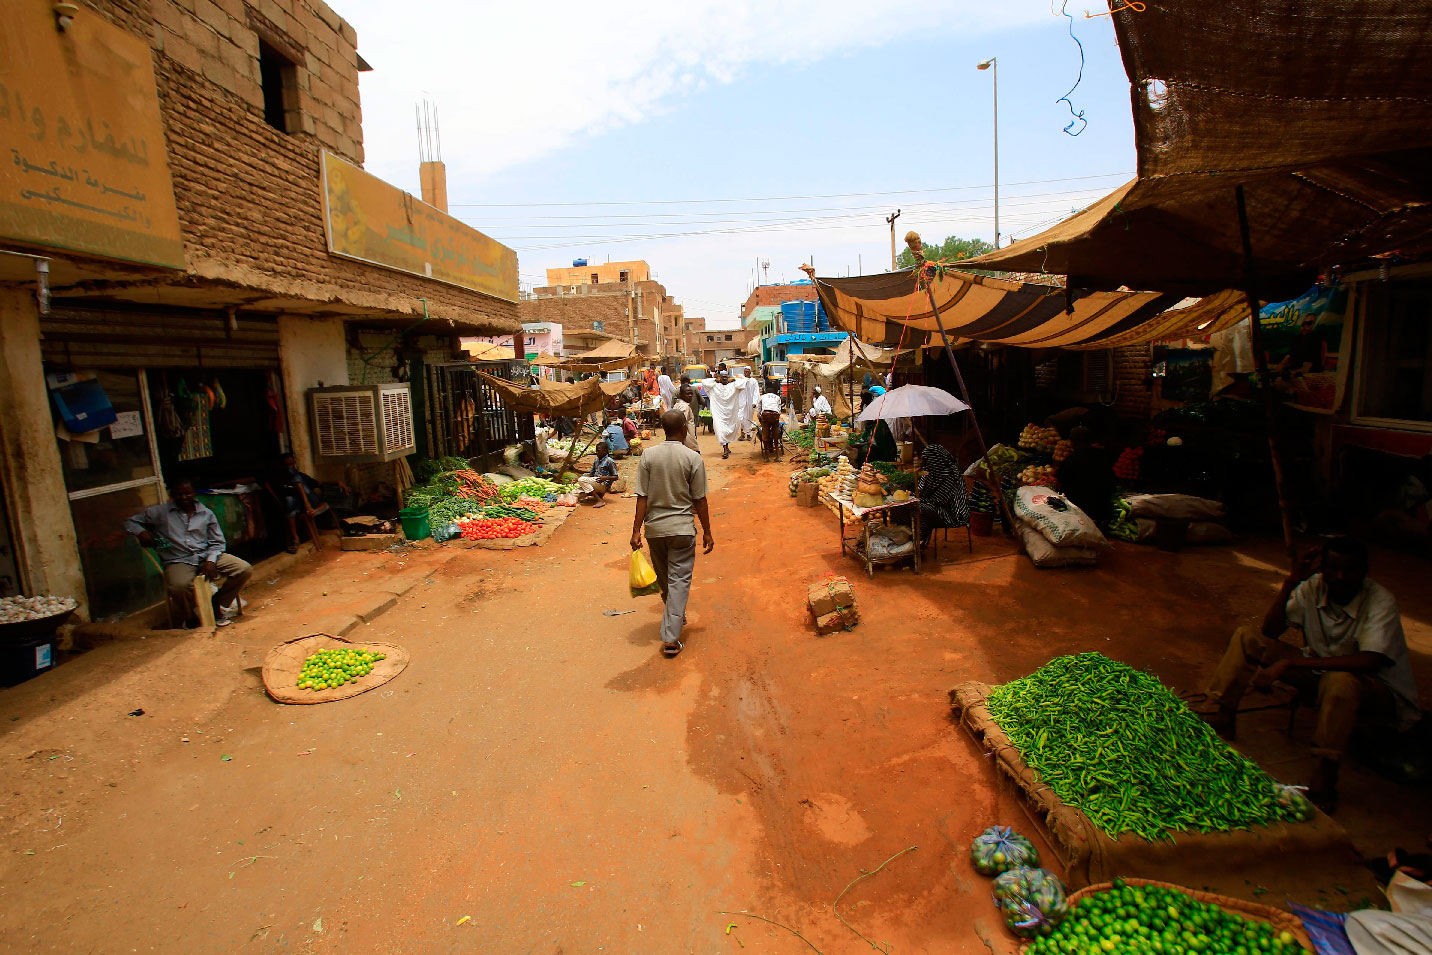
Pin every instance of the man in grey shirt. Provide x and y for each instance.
(190, 542)
(670, 491)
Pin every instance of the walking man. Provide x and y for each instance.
(685, 396)
(670, 491)
(190, 542)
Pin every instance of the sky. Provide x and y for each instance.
(708, 138)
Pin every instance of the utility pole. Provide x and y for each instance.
(993, 66)
(891, 219)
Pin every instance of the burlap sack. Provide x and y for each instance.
(284, 662)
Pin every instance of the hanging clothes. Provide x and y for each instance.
(198, 438)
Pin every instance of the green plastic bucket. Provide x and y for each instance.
(415, 523)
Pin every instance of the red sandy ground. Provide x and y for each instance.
(540, 768)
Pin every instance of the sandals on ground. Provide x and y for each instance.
(670, 650)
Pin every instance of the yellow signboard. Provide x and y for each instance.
(373, 222)
(83, 164)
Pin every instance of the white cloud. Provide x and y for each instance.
(516, 81)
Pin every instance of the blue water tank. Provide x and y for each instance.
(579, 263)
(798, 318)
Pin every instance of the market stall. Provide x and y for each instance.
(1122, 777)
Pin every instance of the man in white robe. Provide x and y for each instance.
(725, 397)
(746, 404)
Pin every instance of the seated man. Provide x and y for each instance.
(615, 437)
(297, 492)
(595, 484)
(190, 542)
(1355, 659)
(1087, 476)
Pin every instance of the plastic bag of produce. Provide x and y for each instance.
(1032, 901)
(1294, 798)
(999, 849)
(447, 532)
(642, 576)
(1056, 517)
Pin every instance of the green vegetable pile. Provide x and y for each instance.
(533, 487)
(334, 667)
(898, 479)
(802, 437)
(1123, 526)
(507, 510)
(1152, 920)
(429, 468)
(1116, 743)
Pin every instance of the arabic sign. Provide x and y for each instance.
(1307, 340)
(373, 222)
(83, 165)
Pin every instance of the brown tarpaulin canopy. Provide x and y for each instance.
(487, 351)
(979, 308)
(1321, 109)
(608, 356)
(547, 359)
(556, 398)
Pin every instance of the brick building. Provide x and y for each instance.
(196, 243)
(769, 295)
(617, 298)
(717, 345)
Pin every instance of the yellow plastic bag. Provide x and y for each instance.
(642, 576)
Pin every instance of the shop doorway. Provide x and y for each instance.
(224, 430)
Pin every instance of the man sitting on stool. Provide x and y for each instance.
(1355, 659)
(190, 542)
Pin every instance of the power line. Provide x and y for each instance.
(828, 195)
(949, 203)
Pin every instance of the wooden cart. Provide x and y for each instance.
(858, 546)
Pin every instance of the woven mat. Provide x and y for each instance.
(283, 663)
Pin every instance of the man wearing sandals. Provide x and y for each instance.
(1355, 661)
(670, 492)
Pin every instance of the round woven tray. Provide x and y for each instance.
(283, 663)
(1279, 919)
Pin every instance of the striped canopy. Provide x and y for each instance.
(980, 308)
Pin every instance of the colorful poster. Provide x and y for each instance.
(371, 221)
(1307, 341)
(83, 166)
(1188, 374)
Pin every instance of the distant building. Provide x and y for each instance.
(619, 299)
(767, 295)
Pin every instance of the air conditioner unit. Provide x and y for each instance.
(362, 424)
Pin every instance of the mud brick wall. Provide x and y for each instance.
(1133, 391)
(249, 195)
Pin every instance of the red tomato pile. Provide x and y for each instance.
(496, 528)
(1127, 467)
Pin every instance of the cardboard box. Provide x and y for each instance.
(370, 542)
(830, 595)
(807, 494)
(837, 621)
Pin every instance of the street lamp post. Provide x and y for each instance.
(991, 65)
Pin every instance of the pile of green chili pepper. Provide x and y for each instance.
(1115, 743)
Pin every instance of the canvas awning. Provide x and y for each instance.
(547, 359)
(854, 352)
(487, 351)
(1323, 113)
(979, 308)
(564, 398)
(608, 356)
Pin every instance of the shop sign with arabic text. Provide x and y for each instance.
(371, 221)
(83, 164)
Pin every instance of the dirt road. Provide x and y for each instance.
(541, 781)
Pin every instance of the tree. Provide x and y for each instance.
(951, 250)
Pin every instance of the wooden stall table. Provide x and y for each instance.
(859, 545)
